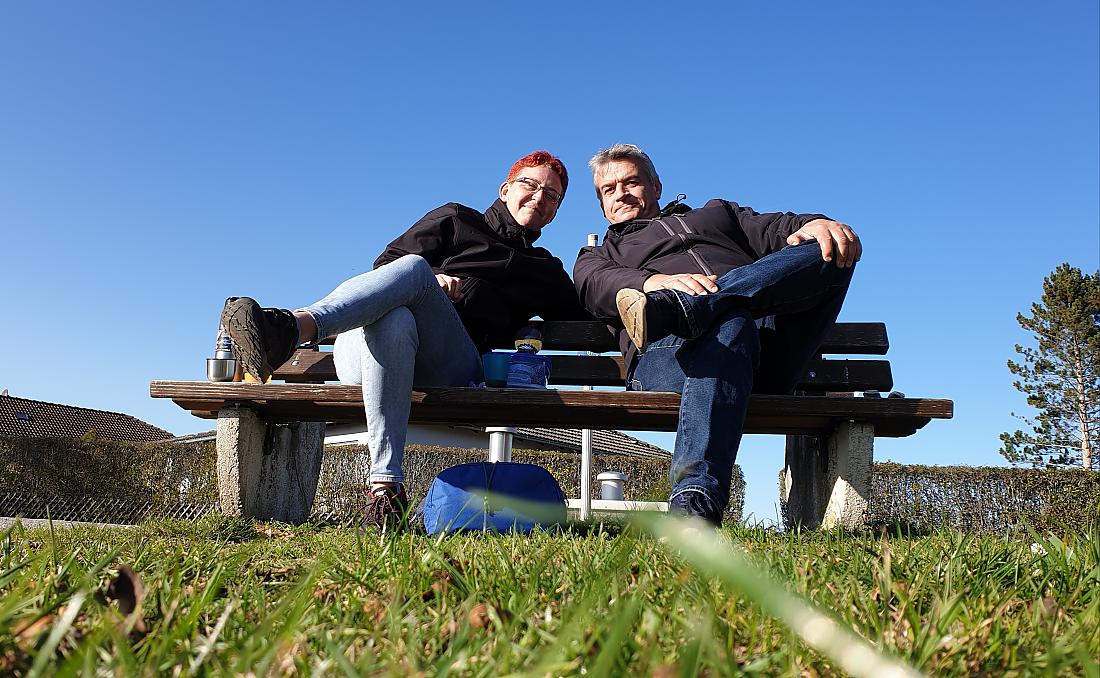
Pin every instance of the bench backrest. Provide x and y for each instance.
(833, 375)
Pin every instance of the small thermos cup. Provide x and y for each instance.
(223, 366)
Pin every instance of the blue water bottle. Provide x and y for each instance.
(527, 369)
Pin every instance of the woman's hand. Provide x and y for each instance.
(451, 286)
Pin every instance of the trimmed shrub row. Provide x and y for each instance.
(988, 499)
(143, 479)
(125, 482)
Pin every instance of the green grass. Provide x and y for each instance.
(225, 596)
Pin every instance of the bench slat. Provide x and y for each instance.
(854, 338)
(561, 335)
(627, 410)
(308, 366)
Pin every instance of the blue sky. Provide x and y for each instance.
(156, 158)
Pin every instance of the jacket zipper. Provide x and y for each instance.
(690, 250)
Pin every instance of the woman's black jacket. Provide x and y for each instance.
(505, 280)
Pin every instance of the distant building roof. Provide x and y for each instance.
(39, 419)
(603, 442)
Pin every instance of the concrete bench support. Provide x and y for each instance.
(848, 475)
(267, 473)
(827, 483)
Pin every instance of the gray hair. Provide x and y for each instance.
(624, 152)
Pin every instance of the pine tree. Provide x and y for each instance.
(1061, 376)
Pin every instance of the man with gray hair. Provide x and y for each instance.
(714, 303)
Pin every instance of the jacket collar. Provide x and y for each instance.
(677, 206)
(502, 221)
(624, 227)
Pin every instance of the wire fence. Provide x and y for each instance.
(124, 483)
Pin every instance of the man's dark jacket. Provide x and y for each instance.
(712, 240)
(505, 280)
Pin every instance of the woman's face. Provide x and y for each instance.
(533, 196)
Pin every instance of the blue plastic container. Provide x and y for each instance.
(528, 370)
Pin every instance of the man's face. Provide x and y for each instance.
(532, 205)
(626, 192)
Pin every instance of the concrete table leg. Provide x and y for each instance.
(267, 473)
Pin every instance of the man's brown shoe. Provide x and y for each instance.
(650, 316)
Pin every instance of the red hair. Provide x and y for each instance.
(537, 159)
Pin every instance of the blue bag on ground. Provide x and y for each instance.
(456, 499)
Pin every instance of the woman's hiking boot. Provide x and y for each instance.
(263, 338)
(387, 509)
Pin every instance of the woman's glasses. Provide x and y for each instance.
(533, 187)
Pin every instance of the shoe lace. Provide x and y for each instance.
(384, 507)
(380, 505)
(696, 503)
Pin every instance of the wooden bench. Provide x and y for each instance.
(270, 436)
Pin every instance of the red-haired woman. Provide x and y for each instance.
(424, 315)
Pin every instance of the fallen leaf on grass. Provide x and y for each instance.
(375, 608)
(479, 616)
(25, 637)
(482, 614)
(275, 531)
(128, 592)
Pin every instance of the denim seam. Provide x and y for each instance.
(387, 477)
(692, 326)
(321, 333)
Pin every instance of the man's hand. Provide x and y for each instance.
(833, 237)
(692, 283)
(450, 285)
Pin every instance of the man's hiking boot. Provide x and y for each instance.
(694, 504)
(387, 509)
(650, 315)
(263, 338)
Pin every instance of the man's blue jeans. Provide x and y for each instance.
(757, 333)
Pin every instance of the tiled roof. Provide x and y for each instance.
(603, 442)
(39, 419)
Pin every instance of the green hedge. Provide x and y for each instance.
(108, 481)
(342, 485)
(140, 479)
(157, 472)
(985, 499)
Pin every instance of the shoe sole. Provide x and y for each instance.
(243, 319)
(631, 304)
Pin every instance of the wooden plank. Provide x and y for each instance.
(571, 335)
(854, 338)
(626, 410)
(309, 366)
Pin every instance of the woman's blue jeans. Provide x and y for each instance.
(757, 333)
(395, 329)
